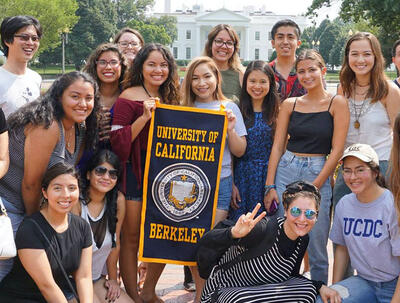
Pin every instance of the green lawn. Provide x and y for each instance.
(51, 70)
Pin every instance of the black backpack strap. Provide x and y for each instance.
(72, 288)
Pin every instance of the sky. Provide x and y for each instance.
(280, 7)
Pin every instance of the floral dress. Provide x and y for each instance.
(251, 169)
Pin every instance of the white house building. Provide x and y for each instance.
(253, 28)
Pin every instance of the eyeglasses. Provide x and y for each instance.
(126, 44)
(26, 37)
(308, 213)
(104, 63)
(100, 171)
(220, 42)
(358, 172)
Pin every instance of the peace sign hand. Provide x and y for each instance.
(245, 223)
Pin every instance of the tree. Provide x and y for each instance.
(168, 23)
(97, 24)
(128, 10)
(382, 14)
(55, 16)
(151, 32)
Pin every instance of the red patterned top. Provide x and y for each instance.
(289, 87)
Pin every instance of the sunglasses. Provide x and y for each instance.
(26, 37)
(308, 213)
(100, 171)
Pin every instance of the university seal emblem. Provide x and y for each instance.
(181, 191)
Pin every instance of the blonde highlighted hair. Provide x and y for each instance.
(188, 95)
(234, 60)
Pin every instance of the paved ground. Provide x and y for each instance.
(170, 287)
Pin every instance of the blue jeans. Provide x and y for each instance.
(224, 193)
(359, 290)
(16, 218)
(293, 168)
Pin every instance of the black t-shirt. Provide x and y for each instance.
(68, 245)
(3, 123)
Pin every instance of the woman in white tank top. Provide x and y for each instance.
(373, 100)
(103, 207)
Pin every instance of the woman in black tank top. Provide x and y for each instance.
(317, 125)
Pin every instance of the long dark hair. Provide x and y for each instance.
(48, 108)
(169, 89)
(270, 105)
(91, 64)
(111, 197)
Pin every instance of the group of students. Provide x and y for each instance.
(283, 126)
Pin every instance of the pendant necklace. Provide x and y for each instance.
(357, 115)
(68, 136)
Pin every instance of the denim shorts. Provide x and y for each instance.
(69, 295)
(224, 193)
(133, 191)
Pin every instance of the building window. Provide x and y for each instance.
(175, 51)
(257, 35)
(256, 54)
(239, 35)
(269, 36)
(188, 53)
(188, 34)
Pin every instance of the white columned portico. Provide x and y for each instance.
(247, 44)
(198, 41)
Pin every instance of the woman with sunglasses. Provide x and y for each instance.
(222, 46)
(366, 232)
(272, 273)
(103, 207)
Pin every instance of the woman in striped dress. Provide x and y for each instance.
(272, 274)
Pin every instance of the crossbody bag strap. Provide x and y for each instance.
(72, 288)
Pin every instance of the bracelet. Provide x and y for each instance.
(267, 188)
